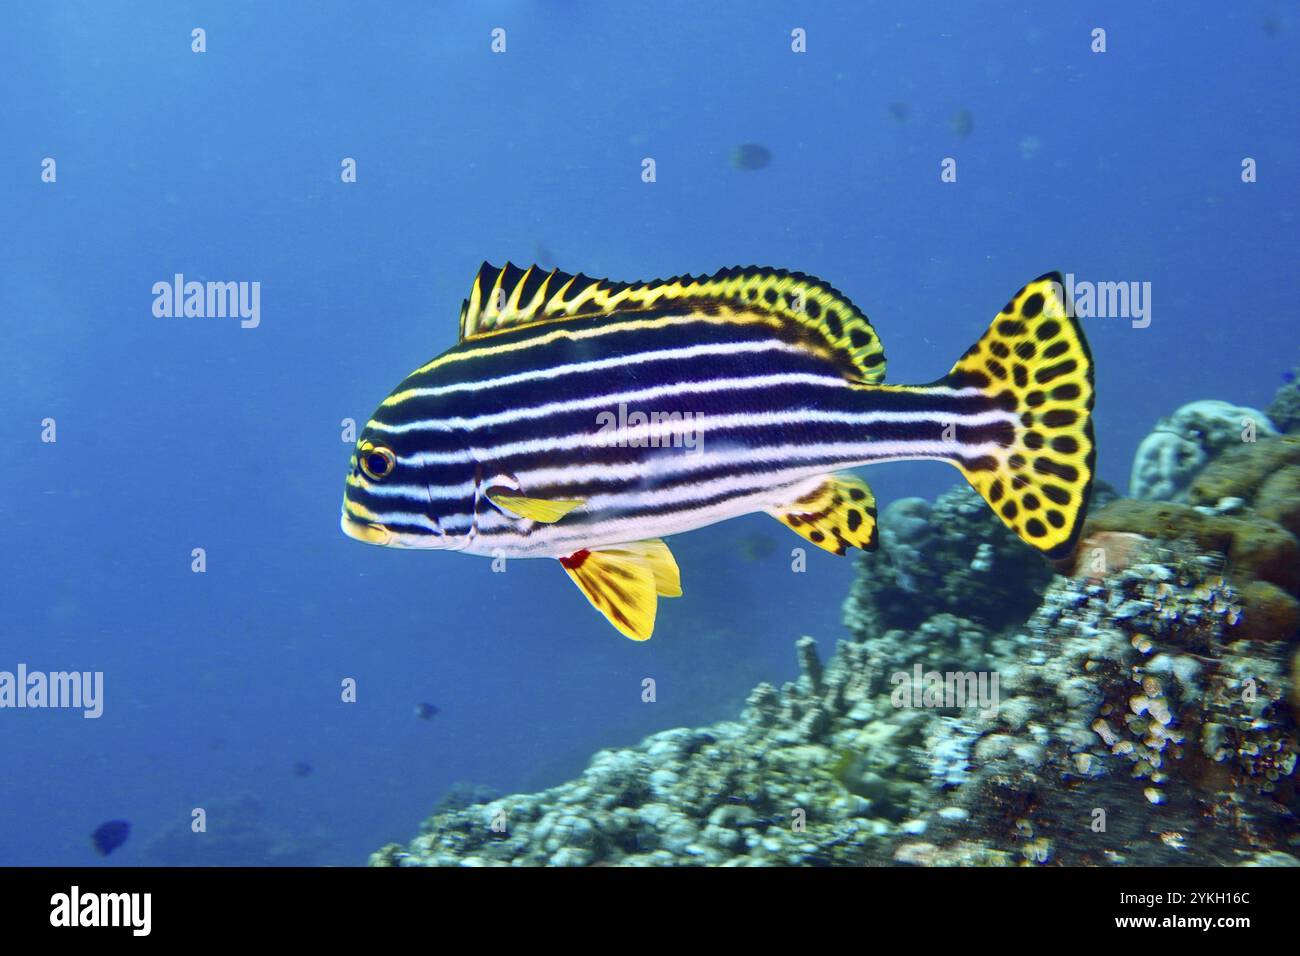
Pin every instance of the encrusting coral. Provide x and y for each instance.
(945, 556)
(1284, 412)
(1246, 506)
(1181, 445)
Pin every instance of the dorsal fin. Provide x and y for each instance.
(510, 298)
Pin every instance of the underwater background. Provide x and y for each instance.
(222, 689)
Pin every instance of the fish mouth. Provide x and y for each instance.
(372, 532)
(366, 531)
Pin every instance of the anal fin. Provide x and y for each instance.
(624, 582)
(838, 514)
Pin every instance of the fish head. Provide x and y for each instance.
(395, 499)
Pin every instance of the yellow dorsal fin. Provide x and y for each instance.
(538, 509)
(837, 513)
(510, 298)
(624, 583)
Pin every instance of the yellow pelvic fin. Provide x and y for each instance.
(624, 583)
(655, 554)
(538, 509)
(840, 513)
(1034, 362)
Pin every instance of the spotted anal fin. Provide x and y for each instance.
(625, 582)
(547, 511)
(1034, 363)
(838, 514)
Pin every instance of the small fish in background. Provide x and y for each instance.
(543, 256)
(302, 769)
(758, 546)
(109, 836)
(1271, 26)
(750, 156)
(1289, 376)
(426, 711)
(962, 123)
(900, 111)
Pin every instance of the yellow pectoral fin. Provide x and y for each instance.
(538, 509)
(838, 514)
(624, 583)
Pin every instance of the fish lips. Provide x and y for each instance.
(366, 531)
(371, 532)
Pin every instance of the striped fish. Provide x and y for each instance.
(585, 420)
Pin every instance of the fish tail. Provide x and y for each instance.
(1036, 469)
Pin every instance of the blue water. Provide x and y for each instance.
(175, 434)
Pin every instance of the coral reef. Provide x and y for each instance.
(1255, 547)
(1171, 457)
(945, 557)
(983, 711)
(1284, 411)
(1126, 728)
(1244, 505)
(1245, 473)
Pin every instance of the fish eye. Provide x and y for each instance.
(378, 463)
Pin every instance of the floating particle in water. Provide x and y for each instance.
(900, 111)
(109, 836)
(750, 156)
(1271, 26)
(962, 122)
(1029, 147)
(302, 769)
(426, 711)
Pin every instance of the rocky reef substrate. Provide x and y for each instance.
(985, 711)
(1126, 730)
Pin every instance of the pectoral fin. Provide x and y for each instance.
(838, 514)
(538, 509)
(624, 582)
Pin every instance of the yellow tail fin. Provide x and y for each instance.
(1034, 361)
